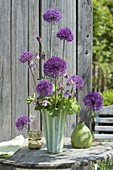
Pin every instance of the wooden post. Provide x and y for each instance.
(5, 70)
(84, 50)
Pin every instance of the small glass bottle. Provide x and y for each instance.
(34, 139)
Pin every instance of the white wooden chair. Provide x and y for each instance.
(104, 125)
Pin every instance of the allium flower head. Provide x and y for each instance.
(65, 34)
(55, 67)
(93, 100)
(22, 122)
(52, 15)
(76, 81)
(44, 88)
(26, 56)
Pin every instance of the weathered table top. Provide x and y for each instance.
(69, 158)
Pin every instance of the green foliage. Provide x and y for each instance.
(108, 97)
(30, 99)
(103, 37)
(106, 165)
(69, 106)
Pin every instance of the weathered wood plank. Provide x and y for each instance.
(69, 158)
(19, 71)
(6, 167)
(5, 70)
(84, 51)
(33, 47)
(104, 128)
(103, 136)
(103, 120)
(68, 20)
(108, 110)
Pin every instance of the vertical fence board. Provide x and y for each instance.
(84, 51)
(5, 77)
(68, 20)
(19, 70)
(33, 47)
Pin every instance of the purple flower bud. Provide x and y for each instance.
(39, 38)
(43, 56)
(36, 55)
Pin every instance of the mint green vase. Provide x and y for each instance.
(81, 136)
(54, 131)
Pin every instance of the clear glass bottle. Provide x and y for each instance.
(34, 139)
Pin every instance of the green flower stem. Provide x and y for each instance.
(85, 114)
(63, 52)
(42, 47)
(33, 77)
(51, 40)
(36, 65)
(55, 92)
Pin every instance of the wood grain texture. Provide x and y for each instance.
(6, 167)
(103, 136)
(68, 20)
(5, 70)
(104, 128)
(69, 158)
(104, 120)
(103, 123)
(33, 47)
(84, 50)
(19, 70)
(108, 110)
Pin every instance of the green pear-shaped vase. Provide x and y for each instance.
(81, 136)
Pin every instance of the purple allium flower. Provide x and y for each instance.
(65, 34)
(44, 88)
(55, 67)
(76, 81)
(52, 15)
(22, 122)
(93, 100)
(26, 56)
(39, 38)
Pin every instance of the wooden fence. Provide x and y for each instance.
(21, 21)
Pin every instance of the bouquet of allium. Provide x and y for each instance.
(55, 89)
(52, 94)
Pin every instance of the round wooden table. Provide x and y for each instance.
(69, 158)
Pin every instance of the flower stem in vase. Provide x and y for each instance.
(55, 91)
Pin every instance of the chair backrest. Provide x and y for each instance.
(104, 123)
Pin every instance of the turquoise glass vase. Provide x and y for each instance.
(54, 131)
